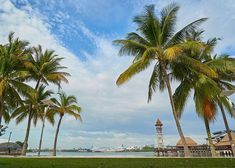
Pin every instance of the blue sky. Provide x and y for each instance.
(82, 32)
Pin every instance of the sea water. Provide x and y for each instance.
(96, 154)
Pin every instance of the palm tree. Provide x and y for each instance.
(47, 103)
(210, 141)
(155, 40)
(32, 108)
(12, 74)
(225, 67)
(225, 102)
(206, 90)
(205, 96)
(65, 105)
(44, 67)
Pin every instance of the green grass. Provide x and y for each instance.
(115, 162)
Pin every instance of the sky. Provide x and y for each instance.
(82, 32)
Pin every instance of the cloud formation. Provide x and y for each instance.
(111, 115)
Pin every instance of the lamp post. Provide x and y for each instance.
(9, 150)
(47, 103)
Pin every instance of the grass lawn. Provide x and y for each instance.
(115, 162)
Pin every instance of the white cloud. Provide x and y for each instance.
(107, 139)
(93, 81)
(116, 139)
(3, 140)
(111, 115)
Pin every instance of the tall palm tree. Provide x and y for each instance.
(206, 90)
(225, 102)
(225, 67)
(12, 74)
(44, 67)
(47, 103)
(156, 40)
(32, 108)
(65, 105)
(205, 96)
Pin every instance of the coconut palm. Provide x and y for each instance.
(225, 68)
(12, 74)
(225, 102)
(156, 40)
(47, 103)
(65, 105)
(206, 90)
(44, 67)
(32, 108)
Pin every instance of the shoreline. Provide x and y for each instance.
(110, 157)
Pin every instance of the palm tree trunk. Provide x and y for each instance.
(1, 109)
(227, 128)
(25, 145)
(43, 125)
(186, 149)
(56, 135)
(208, 131)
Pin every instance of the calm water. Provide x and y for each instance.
(97, 154)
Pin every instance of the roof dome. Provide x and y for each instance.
(225, 140)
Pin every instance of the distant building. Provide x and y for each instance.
(178, 149)
(223, 146)
(189, 141)
(225, 140)
(219, 135)
(10, 148)
(220, 140)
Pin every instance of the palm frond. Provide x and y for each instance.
(181, 95)
(172, 52)
(168, 21)
(229, 106)
(181, 34)
(138, 38)
(153, 83)
(132, 70)
(198, 66)
(130, 47)
(149, 25)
